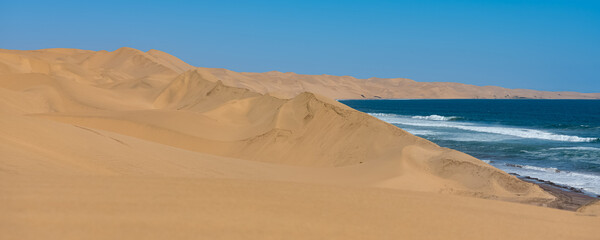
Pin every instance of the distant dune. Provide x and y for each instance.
(346, 87)
(98, 144)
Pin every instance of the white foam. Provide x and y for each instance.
(550, 170)
(516, 132)
(420, 132)
(576, 148)
(435, 118)
(509, 131)
(587, 182)
(383, 114)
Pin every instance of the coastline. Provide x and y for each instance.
(566, 198)
(154, 150)
(400, 99)
(505, 137)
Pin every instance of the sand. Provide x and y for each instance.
(142, 145)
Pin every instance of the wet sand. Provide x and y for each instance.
(566, 198)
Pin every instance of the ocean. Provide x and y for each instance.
(551, 140)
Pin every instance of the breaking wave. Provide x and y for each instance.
(576, 148)
(509, 131)
(584, 181)
(437, 118)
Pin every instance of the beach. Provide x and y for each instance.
(566, 199)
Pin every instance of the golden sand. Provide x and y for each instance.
(132, 144)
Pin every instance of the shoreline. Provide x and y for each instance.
(407, 99)
(569, 199)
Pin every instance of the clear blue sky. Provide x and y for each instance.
(545, 44)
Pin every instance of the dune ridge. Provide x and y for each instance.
(148, 120)
(347, 87)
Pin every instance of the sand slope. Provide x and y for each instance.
(182, 208)
(140, 144)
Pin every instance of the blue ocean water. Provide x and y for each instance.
(553, 140)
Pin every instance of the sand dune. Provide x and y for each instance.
(141, 144)
(346, 87)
